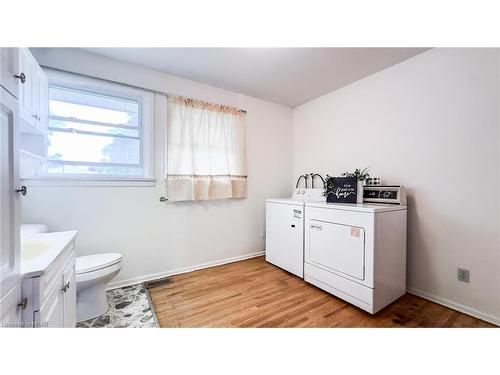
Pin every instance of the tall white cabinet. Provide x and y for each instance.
(23, 130)
(11, 302)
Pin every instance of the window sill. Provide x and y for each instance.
(52, 181)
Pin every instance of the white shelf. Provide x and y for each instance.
(31, 155)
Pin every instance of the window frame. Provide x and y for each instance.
(146, 129)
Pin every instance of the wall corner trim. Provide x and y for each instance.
(456, 306)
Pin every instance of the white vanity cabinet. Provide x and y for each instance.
(52, 294)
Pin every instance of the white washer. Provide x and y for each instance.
(285, 234)
(356, 252)
(285, 229)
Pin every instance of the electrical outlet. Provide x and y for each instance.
(263, 233)
(463, 275)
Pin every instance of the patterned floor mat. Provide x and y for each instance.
(129, 307)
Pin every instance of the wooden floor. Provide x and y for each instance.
(254, 293)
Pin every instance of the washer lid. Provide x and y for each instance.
(291, 201)
(89, 263)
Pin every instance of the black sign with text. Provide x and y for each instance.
(344, 190)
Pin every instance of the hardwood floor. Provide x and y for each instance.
(254, 293)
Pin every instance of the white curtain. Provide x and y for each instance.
(206, 151)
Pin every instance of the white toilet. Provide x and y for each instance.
(93, 273)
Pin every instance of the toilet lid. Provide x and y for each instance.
(89, 263)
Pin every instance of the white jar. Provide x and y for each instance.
(359, 196)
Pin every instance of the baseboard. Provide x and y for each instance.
(178, 271)
(456, 306)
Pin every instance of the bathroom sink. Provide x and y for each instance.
(33, 248)
(39, 251)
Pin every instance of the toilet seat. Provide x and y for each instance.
(96, 262)
(98, 274)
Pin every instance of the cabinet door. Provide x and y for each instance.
(69, 295)
(51, 313)
(9, 69)
(284, 237)
(33, 95)
(9, 199)
(26, 90)
(10, 309)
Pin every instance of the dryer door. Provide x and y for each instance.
(337, 247)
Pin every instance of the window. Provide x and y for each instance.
(98, 129)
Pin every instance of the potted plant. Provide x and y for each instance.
(361, 176)
(328, 185)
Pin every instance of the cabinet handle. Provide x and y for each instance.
(23, 303)
(23, 190)
(66, 287)
(318, 227)
(22, 77)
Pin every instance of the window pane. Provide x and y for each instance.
(92, 148)
(92, 107)
(59, 124)
(65, 169)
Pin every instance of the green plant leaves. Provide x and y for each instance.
(360, 175)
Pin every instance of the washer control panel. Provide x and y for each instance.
(308, 195)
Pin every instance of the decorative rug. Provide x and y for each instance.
(129, 307)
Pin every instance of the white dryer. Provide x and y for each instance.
(356, 252)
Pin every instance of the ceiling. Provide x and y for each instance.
(288, 76)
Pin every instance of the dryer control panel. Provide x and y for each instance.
(392, 194)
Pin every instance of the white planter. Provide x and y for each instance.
(359, 197)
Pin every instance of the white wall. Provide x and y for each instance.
(430, 123)
(154, 237)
